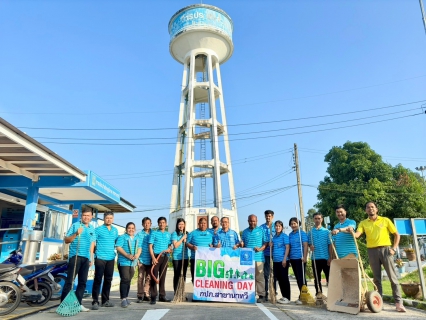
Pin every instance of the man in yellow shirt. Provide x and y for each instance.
(380, 250)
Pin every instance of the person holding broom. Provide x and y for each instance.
(320, 245)
(159, 248)
(254, 237)
(179, 238)
(298, 253)
(81, 237)
(268, 226)
(144, 263)
(129, 249)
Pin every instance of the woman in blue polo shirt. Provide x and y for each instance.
(179, 243)
(280, 252)
(128, 249)
(298, 252)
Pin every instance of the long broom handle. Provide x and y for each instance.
(271, 265)
(315, 265)
(76, 256)
(183, 254)
(332, 245)
(362, 266)
(301, 248)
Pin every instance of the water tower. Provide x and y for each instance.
(203, 184)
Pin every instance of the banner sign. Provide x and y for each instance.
(224, 275)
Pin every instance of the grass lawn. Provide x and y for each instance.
(412, 277)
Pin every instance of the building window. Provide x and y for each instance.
(54, 223)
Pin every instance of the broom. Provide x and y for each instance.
(272, 295)
(305, 295)
(70, 306)
(180, 290)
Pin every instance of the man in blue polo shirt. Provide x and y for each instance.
(254, 237)
(159, 247)
(215, 225)
(226, 237)
(106, 235)
(320, 245)
(80, 235)
(200, 237)
(144, 263)
(268, 227)
(343, 239)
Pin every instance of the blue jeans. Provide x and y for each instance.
(81, 270)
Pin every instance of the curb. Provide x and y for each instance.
(30, 311)
(408, 302)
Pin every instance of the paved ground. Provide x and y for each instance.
(210, 310)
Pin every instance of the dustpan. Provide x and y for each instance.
(70, 306)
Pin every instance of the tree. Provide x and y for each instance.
(309, 218)
(357, 174)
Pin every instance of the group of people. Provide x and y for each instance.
(149, 249)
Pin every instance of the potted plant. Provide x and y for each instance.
(400, 265)
(412, 290)
(411, 256)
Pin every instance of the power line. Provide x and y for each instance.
(236, 162)
(229, 125)
(229, 134)
(231, 106)
(238, 139)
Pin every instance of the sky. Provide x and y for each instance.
(314, 73)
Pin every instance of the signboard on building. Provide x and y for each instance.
(224, 275)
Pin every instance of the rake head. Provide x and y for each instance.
(70, 306)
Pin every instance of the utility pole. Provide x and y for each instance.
(299, 186)
(423, 14)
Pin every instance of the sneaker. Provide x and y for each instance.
(298, 302)
(266, 297)
(283, 300)
(261, 299)
(128, 302)
(140, 300)
(146, 298)
(107, 304)
(124, 303)
(400, 307)
(95, 306)
(153, 301)
(83, 309)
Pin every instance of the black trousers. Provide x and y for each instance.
(126, 275)
(177, 268)
(281, 275)
(159, 271)
(81, 270)
(267, 272)
(321, 265)
(103, 269)
(299, 270)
